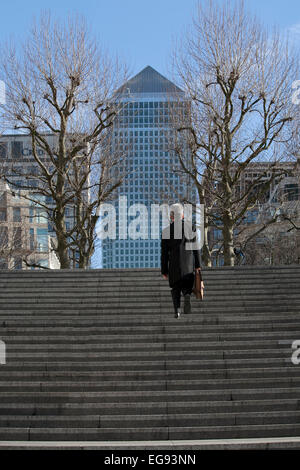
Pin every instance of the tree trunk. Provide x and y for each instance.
(228, 240)
(62, 253)
(62, 248)
(83, 262)
(206, 254)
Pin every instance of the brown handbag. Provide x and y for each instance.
(198, 287)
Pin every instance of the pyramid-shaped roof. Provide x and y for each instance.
(150, 81)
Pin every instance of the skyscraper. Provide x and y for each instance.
(143, 129)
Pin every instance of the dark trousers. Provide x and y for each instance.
(184, 286)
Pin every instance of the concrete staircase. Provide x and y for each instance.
(97, 356)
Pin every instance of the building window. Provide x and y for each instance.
(31, 215)
(3, 263)
(292, 192)
(42, 239)
(3, 149)
(41, 217)
(3, 215)
(3, 236)
(31, 238)
(17, 149)
(17, 214)
(17, 263)
(17, 238)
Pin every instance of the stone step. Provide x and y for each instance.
(154, 365)
(98, 355)
(221, 287)
(125, 312)
(198, 317)
(130, 292)
(157, 323)
(145, 421)
(147, 385)
(150, 283)
(264, 280)
(256, 443)
(149, 408)
(147, 321)
(153, 433)
(282, 340)
(147, 297)
(15, 318)
(111, 356)
(158, 303)
(164, 332)
(127, 296)
(230, 394)
(145, 347)
(271, 372)
(132, 272)
(261, 282)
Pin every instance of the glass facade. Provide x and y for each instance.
(143, 133)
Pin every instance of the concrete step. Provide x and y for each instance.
(202, 308)
(164, 333)
(154, 365)
(157, 342)
(148, 385)
(144, 396)
(97, 355)
(146, 321)
(120, 376)
(131, 297)
(133, 320)
(127, 356)
(163, 304)
(258, 443)
(74, 346)
(149, 408)
(141, 323)
(147, 421)
(153, 433)
(143, 271)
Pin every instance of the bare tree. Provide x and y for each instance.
(272, 236)
(60, 90)
(13, 247)
(238, 79)
(276, 245)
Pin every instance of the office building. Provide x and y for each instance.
(143, 130)
(25, 242)
(22, 171)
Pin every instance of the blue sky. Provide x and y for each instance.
(142, 32)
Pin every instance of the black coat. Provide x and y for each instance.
(176, 260)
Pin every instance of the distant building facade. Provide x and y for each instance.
(283, 194)
(25, 242)
(19, 166)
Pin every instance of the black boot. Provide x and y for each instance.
(176, 302)
(177, 313)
